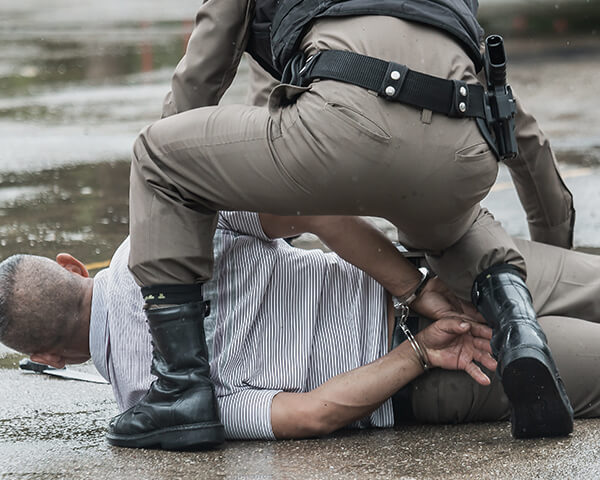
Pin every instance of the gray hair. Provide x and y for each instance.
(39, 301)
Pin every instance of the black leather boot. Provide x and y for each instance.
(180, 410)
(540, 406)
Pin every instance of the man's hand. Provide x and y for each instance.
(450, 343)
(455, 344)
(436, 301)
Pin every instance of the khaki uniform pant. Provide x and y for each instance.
(565, 286)
(332, 148)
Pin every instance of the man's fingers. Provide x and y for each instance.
(455, 302)
(454, 323)
(475, 372)
(470, 310)
(486, 360)
(482, 331)
(482, 345)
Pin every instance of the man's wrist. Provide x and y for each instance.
(419, 350)
(411, 296)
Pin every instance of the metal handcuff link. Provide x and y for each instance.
(402, 306)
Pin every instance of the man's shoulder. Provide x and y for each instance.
(121, 290)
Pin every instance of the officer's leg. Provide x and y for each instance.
(442, 396)
(484, 244)
(225, 153)
(562, 282)
(540, 406)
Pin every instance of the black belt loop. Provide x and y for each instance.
(461, 101)
(393, 80)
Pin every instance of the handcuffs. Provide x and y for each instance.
(401, 304)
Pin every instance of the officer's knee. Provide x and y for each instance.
(148, 160)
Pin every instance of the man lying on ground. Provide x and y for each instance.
(299, 341)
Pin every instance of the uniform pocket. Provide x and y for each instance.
(358, 121)
(477, 161)
(476, 169)
(473, 153)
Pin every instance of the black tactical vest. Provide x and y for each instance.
(278, 25)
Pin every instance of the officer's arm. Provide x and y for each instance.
(212, 56)
(541, 189)
(360, 243)
(357, 241)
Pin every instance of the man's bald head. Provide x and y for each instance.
(40, 304)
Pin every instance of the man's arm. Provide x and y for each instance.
(212, 56)
(360, 243)
(450, 343)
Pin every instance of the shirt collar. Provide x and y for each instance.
(99, 325)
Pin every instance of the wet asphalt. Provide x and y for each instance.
(78, 79)
(54, 429)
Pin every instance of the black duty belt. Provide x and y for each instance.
(391, 80)
(493, 109)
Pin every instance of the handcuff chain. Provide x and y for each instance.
(404, 310)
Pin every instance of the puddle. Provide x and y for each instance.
(81, 209)
(11, 361)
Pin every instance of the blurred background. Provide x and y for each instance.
(80, 78)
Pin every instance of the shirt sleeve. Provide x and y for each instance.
(130, 342)
(542, 191)
(246, 414)
(246, 223)
(212, 56)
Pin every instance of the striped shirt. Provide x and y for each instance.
(282, 319)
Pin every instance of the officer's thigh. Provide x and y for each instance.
(562, 282)
(443, 396)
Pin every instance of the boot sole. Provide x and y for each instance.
(197, 436)
(540, 407)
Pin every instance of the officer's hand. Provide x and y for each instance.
(437, 300)
(455, 344)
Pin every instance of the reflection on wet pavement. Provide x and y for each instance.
(81, 209)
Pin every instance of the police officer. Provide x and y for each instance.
(330, 145)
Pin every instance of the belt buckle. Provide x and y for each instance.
(297, 69)
(307, 68)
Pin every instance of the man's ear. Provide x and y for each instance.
(51, 359)
(69, 262)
